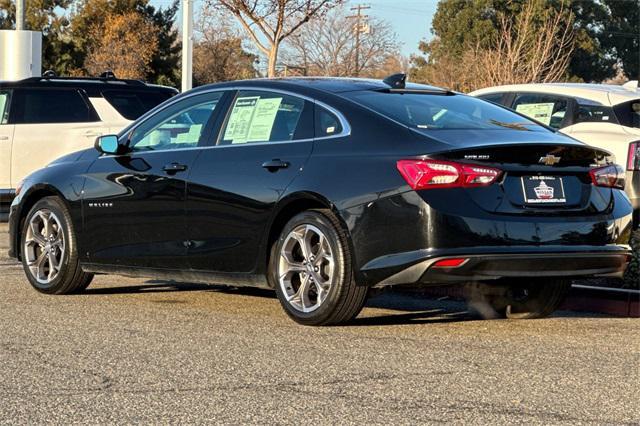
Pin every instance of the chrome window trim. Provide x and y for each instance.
(346, 127)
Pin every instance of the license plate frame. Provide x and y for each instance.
(538, 190)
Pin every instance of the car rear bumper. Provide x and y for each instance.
(422, 267)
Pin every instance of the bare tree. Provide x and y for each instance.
(269, 22)
(218, 53)
(528, 48)
(327, 45)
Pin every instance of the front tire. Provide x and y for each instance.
(311, 270)
(49, 250)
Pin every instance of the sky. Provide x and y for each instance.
(411, 19)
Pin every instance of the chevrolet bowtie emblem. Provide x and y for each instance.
(549, 160)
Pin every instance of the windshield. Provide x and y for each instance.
(427, 111)
(628, 113)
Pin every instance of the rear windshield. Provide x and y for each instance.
(132, 104)
(628, 113)
(435, 111)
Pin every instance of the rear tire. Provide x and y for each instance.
(530, 299)
(49, 250)
(311, 269)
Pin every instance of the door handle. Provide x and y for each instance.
(4, 138)
(275, 165)
(91, 134)
(173, 168)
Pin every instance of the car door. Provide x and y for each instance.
(265, 139)
(134, 204)
(49, 123)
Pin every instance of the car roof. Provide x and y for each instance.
(92, 85)
(606, 94)
(333, 85)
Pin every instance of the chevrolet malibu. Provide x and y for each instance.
(321, 189)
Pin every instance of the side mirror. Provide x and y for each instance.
(108, 144)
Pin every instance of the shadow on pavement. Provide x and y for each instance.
(402, 308)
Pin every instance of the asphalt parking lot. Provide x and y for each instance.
(131, 350)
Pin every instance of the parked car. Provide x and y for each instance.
(43, 118)
(602, 115)
(322, 188)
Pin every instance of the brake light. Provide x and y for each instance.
(633, 159)
(426, 174)
(611, 176)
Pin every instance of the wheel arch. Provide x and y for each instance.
(29, 199)
(286, 209)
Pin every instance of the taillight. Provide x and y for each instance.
(426, 174)
(633, 159)
(608, 176)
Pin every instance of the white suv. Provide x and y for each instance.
(605, 116)
(42, 119)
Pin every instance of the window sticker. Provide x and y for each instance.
(252, 119)
(240, 119)
(263, 118)
(541, 112)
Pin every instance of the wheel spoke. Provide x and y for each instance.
(36, 238)
(301, 297)
(40, 263)
(291, 265)
(324, 252)
(47, 226)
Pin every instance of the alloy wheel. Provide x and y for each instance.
(44, 246)
(306, 268)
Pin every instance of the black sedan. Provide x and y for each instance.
(322, 189)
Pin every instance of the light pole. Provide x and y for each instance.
(187, 44)
(20, 12)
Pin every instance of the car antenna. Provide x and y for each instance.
(108, 75)
(396, 81)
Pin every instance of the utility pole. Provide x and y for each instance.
(20, 13)
(187, 44)
(359, 28)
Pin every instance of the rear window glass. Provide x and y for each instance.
(595, 114)
(628, 113)
(131, 104)
(442, 112)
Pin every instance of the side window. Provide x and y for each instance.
(588, 113)
(4, 107)
(178, 126)
(41, 106)
(259, 117)
(132, 104)
(496, 98)
(327, 124)
(548, 109)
